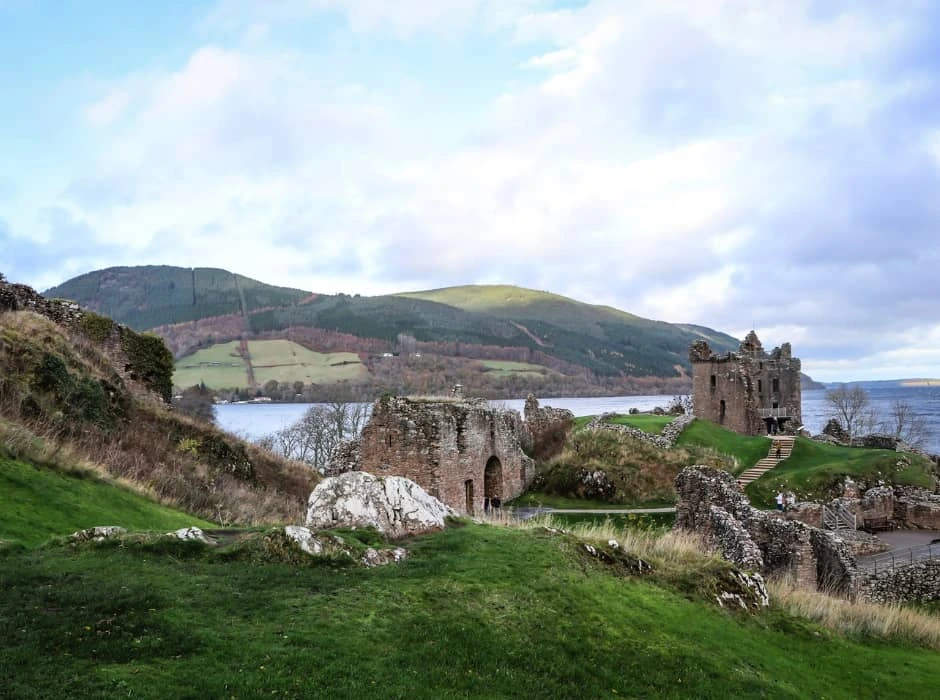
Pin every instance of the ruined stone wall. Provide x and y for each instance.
(710, 503)
(110, 340)
(460, 451)
(918, 582)
(732, 389)
(547, 429)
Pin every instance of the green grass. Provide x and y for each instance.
(38, 503)
(218, 367)
(221, 366)
(285, 361)
(815, 470)
(534, 498)
(746, 449)
(646, 422)
(478, 612)
(506, 367)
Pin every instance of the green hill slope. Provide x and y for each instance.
(475, 612)
(37, 503)
(607, 341)
(149, 296)
(602, 338)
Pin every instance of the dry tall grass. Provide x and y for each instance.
(857, 617)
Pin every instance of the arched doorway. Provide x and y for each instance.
(493, 484)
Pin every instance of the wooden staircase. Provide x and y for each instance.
(785, 443)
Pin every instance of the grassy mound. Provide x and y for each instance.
(476, 611)
(816, 471)
(636, 472)
(745, 449)
(37, 503)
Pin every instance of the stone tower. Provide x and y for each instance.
(750, 391)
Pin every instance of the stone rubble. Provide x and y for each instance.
(97, 534)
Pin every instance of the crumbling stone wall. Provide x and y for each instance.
(918, 582)
(548, 428)
(461, 451)
(710, 503)
(109, 337)
(743, 390)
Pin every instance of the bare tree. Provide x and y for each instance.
(313, 438)
(906, 424)
(851, 406)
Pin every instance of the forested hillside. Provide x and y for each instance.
(195, 309)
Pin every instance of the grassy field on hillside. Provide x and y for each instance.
(816, 469)
(218, 367)
(222, 367)
(745, 449)
(476, 611)
(285, 361)
(37, 503)
(506, 367)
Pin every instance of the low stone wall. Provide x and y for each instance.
(914, 583)
(664, 441)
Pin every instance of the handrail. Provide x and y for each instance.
(901, 559)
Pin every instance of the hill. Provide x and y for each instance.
(580, 348)
(76, 388)
(148, 296)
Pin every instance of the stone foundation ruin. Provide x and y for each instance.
(464, 452)
(710, 503)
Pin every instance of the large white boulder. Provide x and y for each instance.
(393, 505)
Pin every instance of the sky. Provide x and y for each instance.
(766, 164)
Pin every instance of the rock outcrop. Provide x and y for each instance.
(393, 505)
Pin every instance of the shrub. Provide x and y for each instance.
(150, 361)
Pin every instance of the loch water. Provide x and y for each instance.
(254, 420)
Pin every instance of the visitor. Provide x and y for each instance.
(791, 500)
(780, 500)
(777, 453)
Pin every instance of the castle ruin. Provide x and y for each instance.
(750, 391)
(464, 452)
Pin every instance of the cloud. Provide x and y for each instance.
(721, 162)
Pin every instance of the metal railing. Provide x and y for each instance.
(774, 412)
(900, 559)
(839, 518)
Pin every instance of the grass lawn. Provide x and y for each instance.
(816, 467)
(535, 498)
(38, 503)
(746, 449)
(221, 367)
(285, 361)
(218, 367)
(476, 611)
(646, 422)
(505, 367)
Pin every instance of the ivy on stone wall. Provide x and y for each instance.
(96, 327)
(150, 361)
